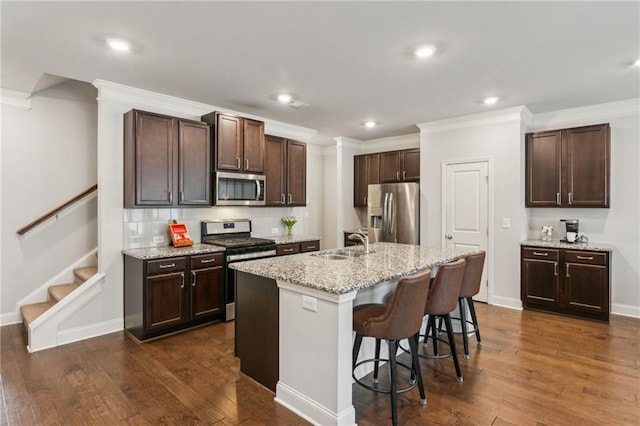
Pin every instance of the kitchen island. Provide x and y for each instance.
(307, 302)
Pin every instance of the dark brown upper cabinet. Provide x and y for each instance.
(166, 161)
(400, 166)
(238, 142)
(286, 172)
(366, 171)
(568, 167)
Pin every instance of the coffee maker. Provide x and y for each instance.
(568, 225)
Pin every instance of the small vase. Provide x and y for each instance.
(290, 230)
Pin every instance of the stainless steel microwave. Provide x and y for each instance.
(238, 189)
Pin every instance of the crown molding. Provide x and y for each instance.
(346, 142)
(519, 113)
(15, 99)
(171, 105)
(411, 140)
(585, 115)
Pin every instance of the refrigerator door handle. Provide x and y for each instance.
(384, 215)
(391, 219)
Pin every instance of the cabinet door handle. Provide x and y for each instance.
(170, 197)
(555, 268)
(181, 280)
(207, 260)
(238, 162)
(404, 175)
(193, 279)
(365, 200)
(289, 250)
(311, 247)
(567, 268)
(537, 253)
(585, 257)
(246, 164)
(289, 198)
(181, 196)
(557, 198)
(571, 198)
(398, 175)
(168, 265)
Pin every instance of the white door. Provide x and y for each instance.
(465, 210)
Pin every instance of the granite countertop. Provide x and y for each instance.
(170, 251)
(573, 246)
(386, 262)
(286, 239)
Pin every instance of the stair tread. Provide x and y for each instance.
(59, 291)
(84, 273)
(33, 310)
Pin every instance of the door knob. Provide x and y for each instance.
(448, 236)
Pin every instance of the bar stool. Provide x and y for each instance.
(443, 295)
(470, 287)
(400, 318)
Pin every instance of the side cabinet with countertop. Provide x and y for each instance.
(570, 279)
(297, 247)
(172, 293)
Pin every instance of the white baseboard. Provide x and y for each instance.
(506, 302)
(310, 410)
(76, 334)
(625, 310)
(10, 318)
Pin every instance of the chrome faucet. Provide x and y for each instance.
(364, 238)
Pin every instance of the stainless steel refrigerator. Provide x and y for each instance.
(393, 213)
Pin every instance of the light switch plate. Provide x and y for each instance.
(274, 231)
(506, 223)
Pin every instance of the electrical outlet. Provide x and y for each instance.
(274, 231)
(310, 303)
(506, 223)
(158, 239)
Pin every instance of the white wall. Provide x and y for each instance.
(39, 173)
(496, 136)
(618, 225)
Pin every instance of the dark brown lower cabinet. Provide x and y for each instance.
(294, 248)
(170, 294)
(565, 281)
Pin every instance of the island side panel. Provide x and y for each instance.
(316, 329)
(256, 328)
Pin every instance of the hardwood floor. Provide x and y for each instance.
(532, 369)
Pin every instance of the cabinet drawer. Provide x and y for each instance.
(283, 249)
(207, 260)
(540, 253)
(309, 246)
(164, 266)
(588, 257)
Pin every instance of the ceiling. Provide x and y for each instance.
(349, 61)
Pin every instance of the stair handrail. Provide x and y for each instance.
(57, 210)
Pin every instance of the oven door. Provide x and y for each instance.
(230, 279)
(238, 189)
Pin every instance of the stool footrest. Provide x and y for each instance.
(412, 384)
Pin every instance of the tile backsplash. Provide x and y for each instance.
(149, 227)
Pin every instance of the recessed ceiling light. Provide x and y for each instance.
(119, 44)
(491, 100)
(370, 124)
(424, 51)
(637, 63)
(285, 98)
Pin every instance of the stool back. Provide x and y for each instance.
(403, 316)
(445, 289)
(472, 274)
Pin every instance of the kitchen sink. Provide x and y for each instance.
(341, 254)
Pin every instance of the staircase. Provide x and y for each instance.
(56, 293)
